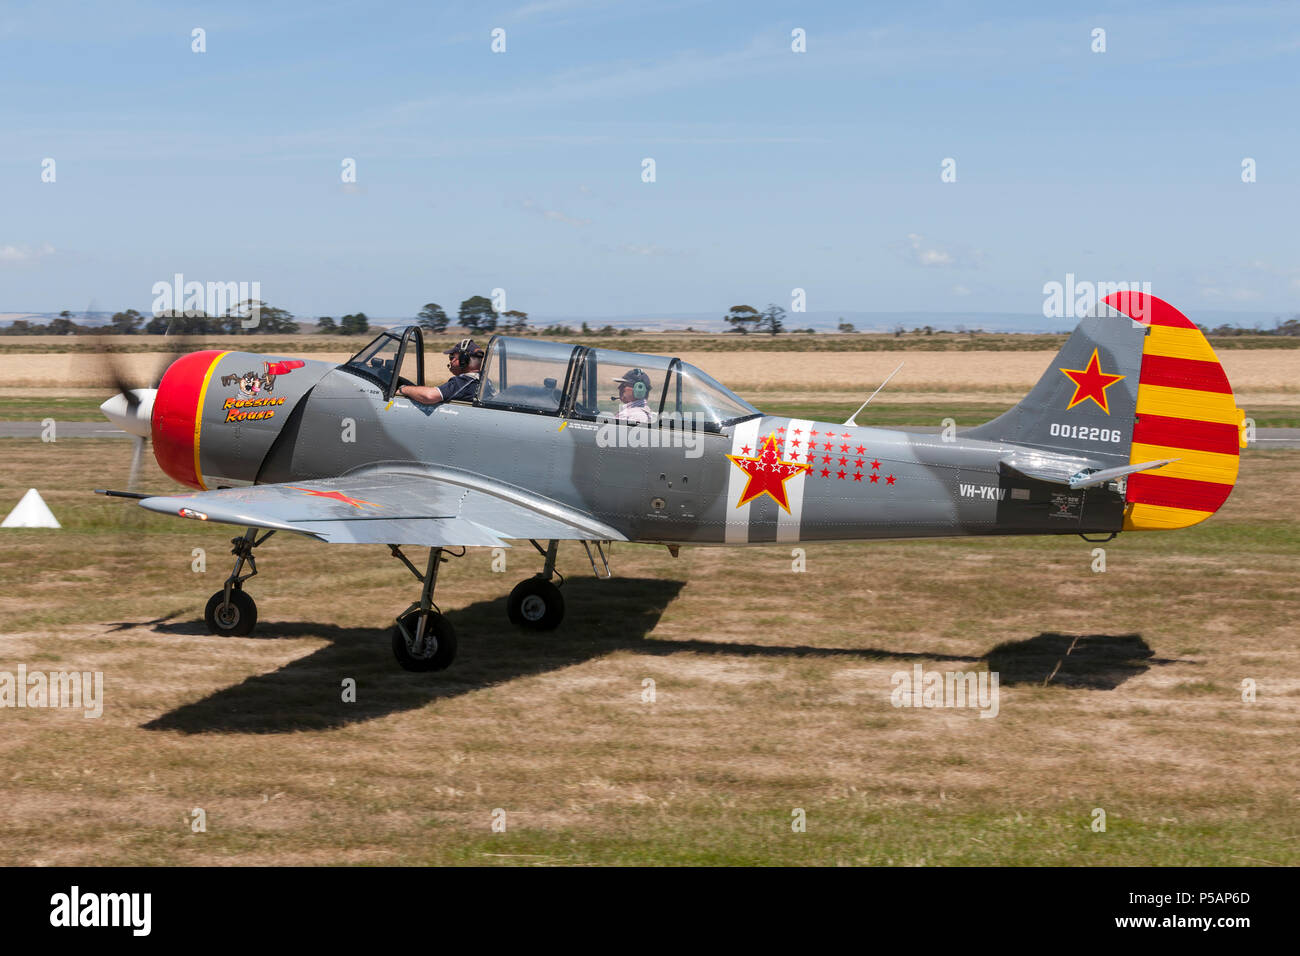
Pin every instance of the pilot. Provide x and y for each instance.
(465, 362)
(633, 390)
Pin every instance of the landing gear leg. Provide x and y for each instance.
(423, 640)
(230, 610)
(536, 603)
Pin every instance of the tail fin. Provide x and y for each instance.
(1137, 382)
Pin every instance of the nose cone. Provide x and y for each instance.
(135, 420)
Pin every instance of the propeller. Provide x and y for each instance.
(131, 408)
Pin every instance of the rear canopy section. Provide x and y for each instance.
(1185, 410)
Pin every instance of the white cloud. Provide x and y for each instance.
(916, 250)
(554, 215)
(18, 254)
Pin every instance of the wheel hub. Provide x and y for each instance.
(533, 608)
(227, 615)
(422, 646)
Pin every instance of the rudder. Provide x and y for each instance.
(1186, 410)
(1137, 382)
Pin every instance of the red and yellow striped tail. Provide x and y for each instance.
(1185, 410)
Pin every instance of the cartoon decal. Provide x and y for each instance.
(255, 407)
(252, 384)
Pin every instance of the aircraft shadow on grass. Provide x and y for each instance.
(306, 693)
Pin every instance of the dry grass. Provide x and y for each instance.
(1261, 376)
(1119, 690)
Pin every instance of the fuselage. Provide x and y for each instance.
(1133, 426)
(767, 479)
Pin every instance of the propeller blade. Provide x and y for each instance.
(135, 463)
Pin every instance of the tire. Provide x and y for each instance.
(439, 642)
(536, 604)
(235, 619)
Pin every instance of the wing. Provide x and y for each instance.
(430, 507)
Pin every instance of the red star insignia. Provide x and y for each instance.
(827, 446)
(844, 448)
(826, 459)
(744, 449)
(1090, 382)
(862, 449)
(874, 477)
(336, 496)
(794, 456)
(765, 481)
(813, 433)
(780, 431)
(875, 463)
(858, 463)
(889, 480)
(844, 461)
(840, 474)
(844, 434)
(795, 443)
(798, 431)
(857, 476)
(826, 472)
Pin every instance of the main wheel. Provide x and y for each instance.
(435, 651)
(235, 618)
(536, 604)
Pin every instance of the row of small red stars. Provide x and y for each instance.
(828, 443)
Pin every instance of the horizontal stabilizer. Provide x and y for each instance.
(1086, 479)
(1070, 471)
(1045, 466)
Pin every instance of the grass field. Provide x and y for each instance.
(1119, 690)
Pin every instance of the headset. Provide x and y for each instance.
(462, 354)
(639, 388)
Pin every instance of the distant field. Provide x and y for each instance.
(665, 343)
(1263, 377)
(1120, 691)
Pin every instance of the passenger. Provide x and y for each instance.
(633, 390)
(465, 362)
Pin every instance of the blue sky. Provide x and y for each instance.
(774, 169)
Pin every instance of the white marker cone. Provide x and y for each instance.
(31, 512)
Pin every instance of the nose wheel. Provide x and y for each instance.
(230, 611)
(235, 615)
(423, 640)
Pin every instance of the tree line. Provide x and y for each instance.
(745, 319)
(476, 315)
(271, 321)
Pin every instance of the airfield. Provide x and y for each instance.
(688, 708)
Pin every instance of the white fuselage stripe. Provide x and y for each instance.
(788, 525)
(745, 435)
